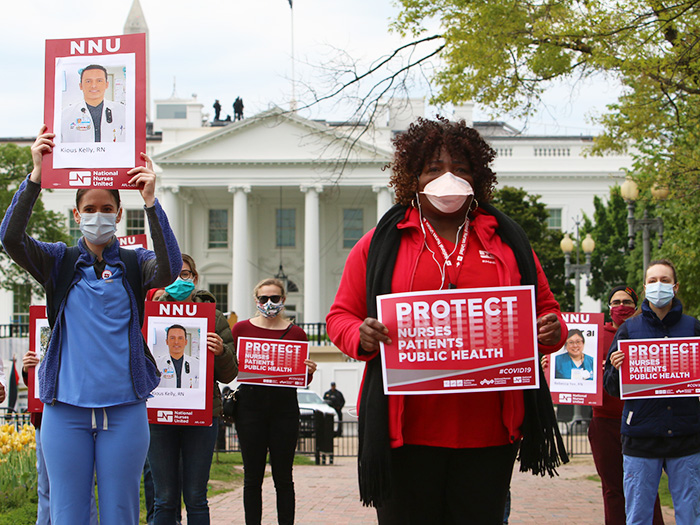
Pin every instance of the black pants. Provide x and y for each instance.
(267, 419)
(448, 486)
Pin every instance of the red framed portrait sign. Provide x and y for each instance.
(95, 103)
(39, 334)
(176, 334)
(461, 340)
(272, 362)
(660, 368)
(575, 373)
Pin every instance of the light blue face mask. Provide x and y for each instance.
(180, 289)
(659, 294)
(98, 228)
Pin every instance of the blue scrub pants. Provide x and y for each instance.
(641, 485)
(43, 510)
(80, 442)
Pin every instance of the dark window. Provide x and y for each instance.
(352, 226)
(21, 297)
(286, 227)
(73, 229)
(135, 222)
(218, 228)
(220, 292)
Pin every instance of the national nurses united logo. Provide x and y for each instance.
(166, 416)
(79, 178)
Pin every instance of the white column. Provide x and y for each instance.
(241, 288)
(169, 201)
(312, 255)
(385, 199)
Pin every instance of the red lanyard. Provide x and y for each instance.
(452, 270)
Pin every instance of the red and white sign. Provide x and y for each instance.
(39, 334)
(660, 368)
(184, 395)
(95, 103)
(132, 242)
(468, 340)
(578, 385)
(272, 362)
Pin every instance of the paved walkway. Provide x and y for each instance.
(328, 495)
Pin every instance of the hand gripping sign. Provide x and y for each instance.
(272, 362)
(667, 367)
(176, 333)
(461, 340)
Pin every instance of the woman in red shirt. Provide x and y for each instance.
(267, 417)
(443, 458)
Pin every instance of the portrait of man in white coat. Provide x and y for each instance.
(94, 119)
(177, 369)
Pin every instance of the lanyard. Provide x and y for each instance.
(452, 270)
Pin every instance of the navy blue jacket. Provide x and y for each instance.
(654, 419)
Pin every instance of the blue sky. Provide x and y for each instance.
(223, 49)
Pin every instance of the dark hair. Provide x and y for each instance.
(423, 139)
(575, 331)
(665, 262)
(92, 66)
(82, 191)
(178, 326)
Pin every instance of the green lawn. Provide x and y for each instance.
(226, 474)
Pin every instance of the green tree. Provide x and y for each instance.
(609, 260)
(44, 225)
(531, 214)
(504, 54)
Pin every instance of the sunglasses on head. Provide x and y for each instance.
(263, 299)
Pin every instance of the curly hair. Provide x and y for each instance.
(423, 139)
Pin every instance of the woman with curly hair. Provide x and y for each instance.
(443, 458)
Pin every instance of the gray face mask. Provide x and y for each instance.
(98, 228)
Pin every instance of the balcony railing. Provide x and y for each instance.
(316, 332)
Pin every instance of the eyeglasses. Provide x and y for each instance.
(574, 342)
(626, 302)
(263, 299)
(186, 274)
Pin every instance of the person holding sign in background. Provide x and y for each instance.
(97, 372)
(443, 458)
(574, 364)
(604, 429)
(194, 444)
(267, 417)
(658, 433)
(94, 119)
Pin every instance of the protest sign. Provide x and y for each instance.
(459, 340)
(39, 334)
(95, 103)
(667, 367)
(273, 362)
(575, 373)
(176, 333)
(131, 242)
